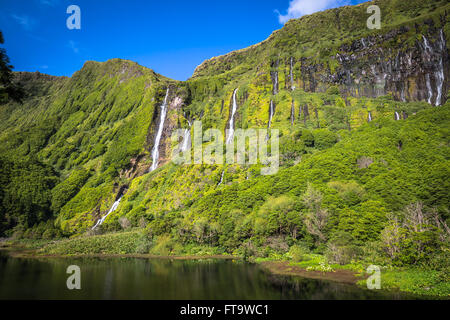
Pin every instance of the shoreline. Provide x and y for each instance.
(276, 267)
(20, 252)
(285, 268)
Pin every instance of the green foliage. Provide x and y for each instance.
(278, 216)
(298, 253)
(324, 139)
(66, 190)
(25, 192)
(417, 281)
(113, 243)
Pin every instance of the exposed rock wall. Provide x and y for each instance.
(368, 67)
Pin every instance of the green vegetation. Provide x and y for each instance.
(349, 192)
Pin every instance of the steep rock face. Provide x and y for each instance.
(366, 67)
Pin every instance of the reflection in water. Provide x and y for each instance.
(133, 278)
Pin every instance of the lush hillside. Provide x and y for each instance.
(364, 160)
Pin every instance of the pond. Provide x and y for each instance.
(140, 278)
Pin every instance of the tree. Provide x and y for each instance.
(278, 216)
(8, 89)
(417, 237)
(317, 217)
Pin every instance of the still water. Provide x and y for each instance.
(138, 278)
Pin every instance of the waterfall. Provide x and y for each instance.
(291, 75)
(270, 114)
(439, 82)
(274, 75)
(430, 91)
(221, 178)
(112, 209)
(186, 138)
(276, 82)
(369, 117)
(426, 44)
(271, 111)
(231, 125)
(397, 116)
(155, 151)
(440, 71)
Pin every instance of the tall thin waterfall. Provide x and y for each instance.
(430, 91)
(439, 82)
(186, 138)
(231, 123)
(221, 178)
(397, 116)
(155, 151)
(426, 44)
(369, 119)
(270, 114)
(271, 111)
(275, 86)
(112, 209)
(440, 71)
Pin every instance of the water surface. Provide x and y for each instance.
(138, 278)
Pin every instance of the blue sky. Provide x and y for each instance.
(170, 37)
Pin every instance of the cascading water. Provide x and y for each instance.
(430, 91)
(397, 116)
(440, 46)
(440, 71)
(231, 123)
(275, 86)
(369, 119)
(112, 209)
(221, 178)
(270, 114)
(186, 138)
(271, 111)
(426, 44)
(155, 151)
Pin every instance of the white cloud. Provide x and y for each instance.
(26, 22)
(298, 8)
